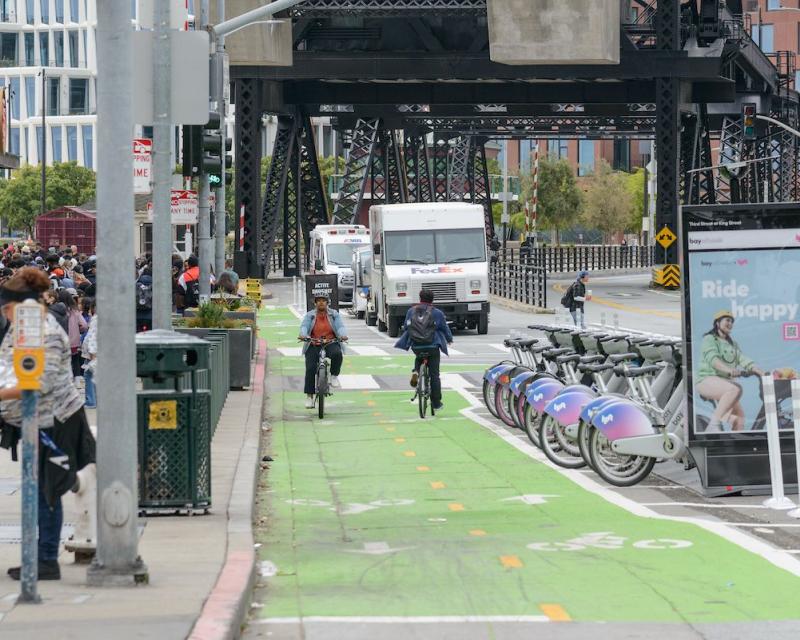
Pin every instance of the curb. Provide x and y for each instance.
(226, 607)
(518, 306)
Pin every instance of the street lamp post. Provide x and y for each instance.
(43, 149)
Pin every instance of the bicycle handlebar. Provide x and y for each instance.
(320, 342)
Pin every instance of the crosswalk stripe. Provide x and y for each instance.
(500, 347)
(358, 382)
(291, 352)
(454, 381)
(454, 352)
(367, 350)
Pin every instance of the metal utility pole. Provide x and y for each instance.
(117, 560)
(218, 96)
(43, 150)
(204, 240)
(162, 168)
(506, 218)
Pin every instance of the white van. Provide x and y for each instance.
(436, 246)
(331, 251)
(362, 272)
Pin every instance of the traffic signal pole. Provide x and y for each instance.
(162, 168)
(117, 560)
(204, 240)
(218, 96)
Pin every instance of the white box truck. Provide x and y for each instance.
(332, 247)
(436, 246)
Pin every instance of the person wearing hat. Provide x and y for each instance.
(575, 298)
(66, 442)
(721, 360)
(321, 324)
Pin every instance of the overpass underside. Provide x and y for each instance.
(411, 87)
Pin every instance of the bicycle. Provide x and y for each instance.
(422, 393)
(322, 379)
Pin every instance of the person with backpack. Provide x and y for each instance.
(426, 326)
(575, 297)
(189, 281)
(144, 301)
(321, 324)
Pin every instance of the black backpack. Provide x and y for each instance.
(192, 297)
(569, 297)
(422, 328)
(144, 296)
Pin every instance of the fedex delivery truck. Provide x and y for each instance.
(436, 246)
(332, 247)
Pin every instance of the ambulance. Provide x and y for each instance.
(331, 252)
(440, 247)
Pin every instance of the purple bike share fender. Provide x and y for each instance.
(539, 393)
(622, 419)
(519, 380)
(595, 405)
(566, 406)
(493, 373)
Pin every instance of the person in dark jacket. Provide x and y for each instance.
(441, 338)
(579, 297)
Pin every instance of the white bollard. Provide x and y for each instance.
(778, 500)
(83, 541)
(795, 513)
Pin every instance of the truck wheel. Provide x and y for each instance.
(360, 315)
(394, 326)
(381, 325)
(371, 318)
(483, 324)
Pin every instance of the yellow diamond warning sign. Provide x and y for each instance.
(665, 237)
(163, 415)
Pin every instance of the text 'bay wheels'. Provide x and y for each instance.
(557, 445)
(531, 424)
(618, 469)
(489, 391)
(501, 401)
(423, 390)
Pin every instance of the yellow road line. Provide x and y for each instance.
(409, 454)
(455, 506)
(477, 532)
(399, 440)
(423, 468)
(438, 485)
(511, 562)
(623, 307)
(555, 612)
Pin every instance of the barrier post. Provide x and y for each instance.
(778, 500)
(795, 513)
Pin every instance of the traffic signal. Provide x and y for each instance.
(192, 150)
(749, 120)
(215, 143)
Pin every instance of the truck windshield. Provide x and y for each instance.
(340, 254)
(441, 246)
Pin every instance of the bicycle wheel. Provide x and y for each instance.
(422, 390)
(618, 469)
(501, 405)
(517, 408)
(557, 446)
(531, 424)
(584, 431)
(489, 391)
(322, 390)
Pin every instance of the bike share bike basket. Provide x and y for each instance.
(174, 421)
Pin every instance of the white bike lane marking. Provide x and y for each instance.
(351, 508)
(609, 541)
(775, 556)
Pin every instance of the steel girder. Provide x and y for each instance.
(418, 173)
(291, 219)
(667, 159)
(328, 8)
(441, 166)
(559, 126)
(480, 185)
(313, 203)
(248, 175)
(359, 163)
(730, 152)
(458, 186)
(396, 183)
(275, 187)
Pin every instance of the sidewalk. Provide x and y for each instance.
(200, 567)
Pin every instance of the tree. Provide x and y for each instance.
(635, 186)
(609, 202)
(20, 197)
(560, 198)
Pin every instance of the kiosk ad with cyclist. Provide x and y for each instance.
(742, 279)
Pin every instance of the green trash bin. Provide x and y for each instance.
(174, 422)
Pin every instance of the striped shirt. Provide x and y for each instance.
(59, 398)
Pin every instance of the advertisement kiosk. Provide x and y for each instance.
(741, 296)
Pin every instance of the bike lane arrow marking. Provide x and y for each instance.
(531, 498)
(377, 549)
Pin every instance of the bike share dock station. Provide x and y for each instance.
(741, 302)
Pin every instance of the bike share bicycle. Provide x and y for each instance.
(322, 386)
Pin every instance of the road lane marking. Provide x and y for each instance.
(400, 619)
(399, 440)
(555, 613)
(511, 562)
(500, 347)
(358, 382)
(290, 352)
(455, 506)
(727, 531)
(454, 381)
(454, 352)
(409, 454)
(438, 485)
(367, 350)
(422, 468)
(477, 532)
(624, 307)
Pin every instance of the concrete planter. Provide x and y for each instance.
(530, 32)
(240, 344)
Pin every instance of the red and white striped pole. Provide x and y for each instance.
(241, 228)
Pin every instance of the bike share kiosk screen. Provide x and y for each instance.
(322, 283)
(742, 312)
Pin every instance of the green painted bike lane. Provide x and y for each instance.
(374, 512)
